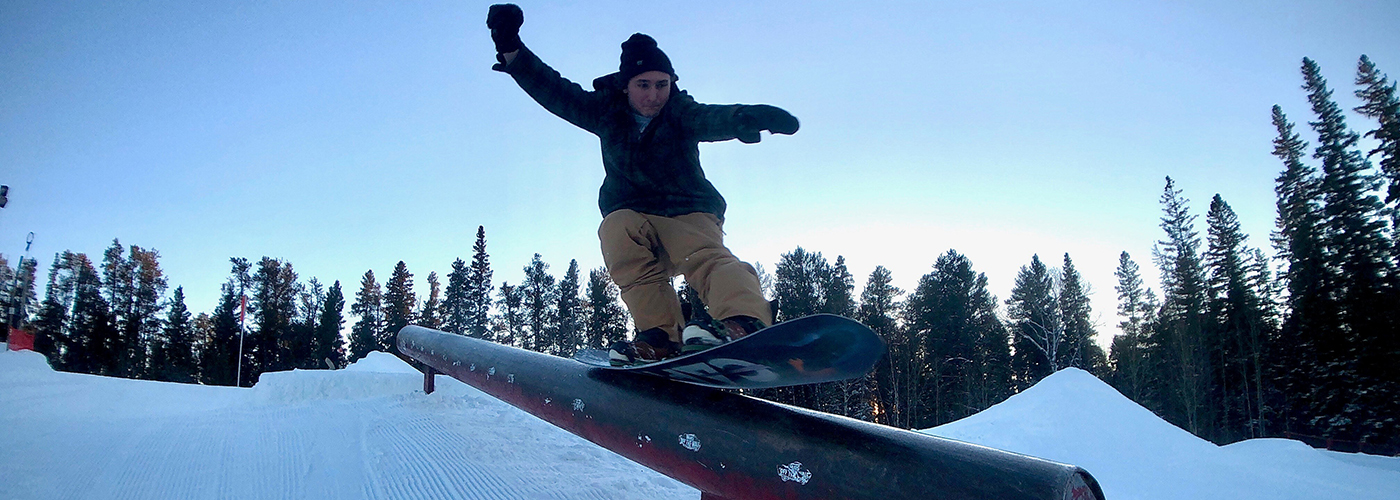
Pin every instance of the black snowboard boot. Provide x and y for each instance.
(648, 347)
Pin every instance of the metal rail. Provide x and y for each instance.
(735, 447)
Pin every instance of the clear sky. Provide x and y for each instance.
(346, 136)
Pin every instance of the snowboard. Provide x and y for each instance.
(807, 350)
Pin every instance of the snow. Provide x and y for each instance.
(368, 431)
(1075, 418)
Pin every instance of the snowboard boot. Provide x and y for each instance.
(702, 335)
(648, 347)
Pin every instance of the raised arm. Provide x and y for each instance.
(557, 94)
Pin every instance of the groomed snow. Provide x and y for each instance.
(368, 431)
(1075, 418)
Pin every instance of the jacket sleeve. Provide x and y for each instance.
(557, 94)
(709, 122)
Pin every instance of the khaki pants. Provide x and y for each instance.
(642, 253)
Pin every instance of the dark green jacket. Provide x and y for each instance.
(655, 172)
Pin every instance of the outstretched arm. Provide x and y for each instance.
(557, 94)
(712, 122)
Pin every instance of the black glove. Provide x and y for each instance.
(504, 20)
(753, 119)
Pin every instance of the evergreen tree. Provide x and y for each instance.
(1132, 368)
(118, 354)
(539, 295)
(840, 287)
(51, 333)
(479, 287)
(952, 318)
(569, 310)
(1380, 350)
(329, 344)
(606, 321)
(800, 284)
(219, 361)
(456, 303)
(302, 343)
(429, 317)
(176, 362)
(399, 301)
(879, 310)
(1080, 350)
(1358, 260)
(510, 324)
(1181, 341)
(92, 327)
(1237, 332)
(1298, 243)
(143, 321)
(1379, 102)
(369, 308)
(275, 311)
(1035, 324)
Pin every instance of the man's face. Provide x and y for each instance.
(648, 92)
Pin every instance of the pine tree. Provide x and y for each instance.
(302, 344)
(429, 317)
(606, 321)
(148, 287)
(1358, 260)
(456, 302)
(539, 295)
(1038, 334)
(1380, 350)
(569, 311)
(329, 343)
(117, 289)
(1083, 351)
(961, 343)
(1298, 243)
(840, 287)
(1181, 344)
(479, 288)
(369, 308)
(275, 311)
(177, 346)
(399, 302)
(850, 398)
(1132, 369)
(511, 321)
(1237, 329)
(800, 284)
(218, 361)
(1380, 103)
(51, 333)
(879, 310)
(92, 327)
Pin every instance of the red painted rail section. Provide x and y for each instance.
(735, 447)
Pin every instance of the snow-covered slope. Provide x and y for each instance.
(1075, 418)
(364, 432)
(368, 431)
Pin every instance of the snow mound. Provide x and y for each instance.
(24, 360)
(1075, 418)
(382, 362)
(379, 374)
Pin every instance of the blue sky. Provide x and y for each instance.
(346, 136)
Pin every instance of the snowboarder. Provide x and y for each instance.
(661, 217)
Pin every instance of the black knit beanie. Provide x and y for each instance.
(640, 55)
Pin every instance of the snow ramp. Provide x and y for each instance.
(1073, 417)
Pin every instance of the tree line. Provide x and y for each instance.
(1238, 345)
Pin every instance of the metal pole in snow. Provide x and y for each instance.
(242, 311)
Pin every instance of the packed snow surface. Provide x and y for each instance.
(1075, 418)
(368, 431)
